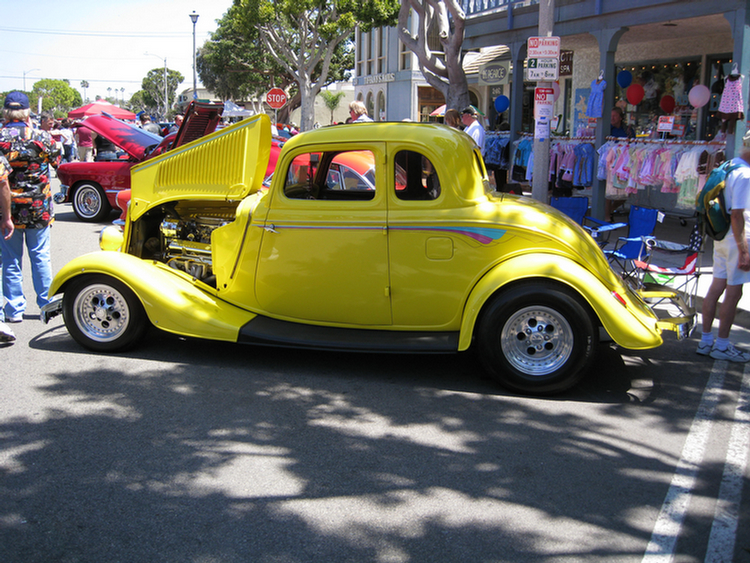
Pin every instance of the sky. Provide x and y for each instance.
(104, 43)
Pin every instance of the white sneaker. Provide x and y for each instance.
(704, 349)
(6, 335)
(731, 354)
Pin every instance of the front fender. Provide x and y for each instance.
(633, 325)
(171, 299)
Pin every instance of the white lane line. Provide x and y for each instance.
(667, 526)
(724, 529)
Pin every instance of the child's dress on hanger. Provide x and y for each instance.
(596, 98)
(731, 105)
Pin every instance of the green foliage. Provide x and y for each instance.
(57, 96)
(153, 89)
(332, 100)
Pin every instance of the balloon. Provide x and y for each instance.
(635, 94)
(667, 103)
(502, 103)
(556, 88)
(699, 95)
(624, 78)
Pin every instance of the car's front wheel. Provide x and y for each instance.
(89, 202)
(537, 338)
(103, 314)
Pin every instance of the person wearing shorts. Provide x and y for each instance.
(731, 268)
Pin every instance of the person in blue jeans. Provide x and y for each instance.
(6, 230)
(27, 155)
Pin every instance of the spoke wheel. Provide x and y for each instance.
(89, 203)
(103, 314)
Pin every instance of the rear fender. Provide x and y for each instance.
(633, 325)
(172, 300)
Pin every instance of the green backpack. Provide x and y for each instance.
(710, 206)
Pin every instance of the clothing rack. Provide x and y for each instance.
(663, 141)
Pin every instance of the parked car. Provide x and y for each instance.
(92, 187)
(427, 260)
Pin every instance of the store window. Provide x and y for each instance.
(648, 91)
(370, 105)
(380, 108)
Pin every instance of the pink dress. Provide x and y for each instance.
(731, 98)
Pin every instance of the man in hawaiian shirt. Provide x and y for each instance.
(29, 152)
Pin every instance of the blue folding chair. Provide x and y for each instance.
(641, 225)
(576, 208)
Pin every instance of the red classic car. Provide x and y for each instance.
(92, 187)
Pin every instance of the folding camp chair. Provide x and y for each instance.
(671, 265)
(641, 225)
(576, 208)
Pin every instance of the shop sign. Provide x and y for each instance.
(496, 91)
(566, 63)
(666, 124)
(494, 73)
(379, 78)
(543, 47)
(542, 69)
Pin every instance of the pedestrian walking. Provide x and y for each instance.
(731, 267)
(29, 152)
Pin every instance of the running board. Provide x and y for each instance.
(272, 332)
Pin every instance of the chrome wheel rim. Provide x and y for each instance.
(88, 202)
(537, 341)
(101, 313)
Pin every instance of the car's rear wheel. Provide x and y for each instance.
(537, 338)
(89, 202)
(103, 314)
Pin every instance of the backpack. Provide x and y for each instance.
(709, 203)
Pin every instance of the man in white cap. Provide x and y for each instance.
(473, 128)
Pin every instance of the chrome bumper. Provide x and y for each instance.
(62, 195)
(683, 323)
(52, 309)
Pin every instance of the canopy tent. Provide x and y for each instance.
(99, 107)
(233, 110)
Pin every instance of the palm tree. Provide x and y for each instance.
(109, 94)
(122, 91)
(332, 100)
(84, 85)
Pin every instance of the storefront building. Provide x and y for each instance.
(648, 64)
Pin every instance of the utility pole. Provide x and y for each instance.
(540, 181)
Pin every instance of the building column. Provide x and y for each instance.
(517, 57)
(740, 22)
(607, 39)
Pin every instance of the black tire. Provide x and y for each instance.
(103, 314)
(537, 338)
(90, 204)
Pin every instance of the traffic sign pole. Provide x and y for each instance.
(544, 46)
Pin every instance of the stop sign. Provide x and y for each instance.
(276, 98)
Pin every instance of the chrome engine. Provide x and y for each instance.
(186, 244)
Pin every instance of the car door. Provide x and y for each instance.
(324, 253)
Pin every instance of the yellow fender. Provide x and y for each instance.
(170, 298)
(616, 318)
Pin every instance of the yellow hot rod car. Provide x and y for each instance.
(424, 259)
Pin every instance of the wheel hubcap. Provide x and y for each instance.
(537, 340)
(101, 313)
(88, 202)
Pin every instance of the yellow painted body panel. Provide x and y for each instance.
(172, 301)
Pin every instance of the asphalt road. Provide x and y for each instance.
(194, 451)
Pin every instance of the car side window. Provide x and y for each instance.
(345, 175)
(416, 177)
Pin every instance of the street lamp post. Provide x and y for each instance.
(25, 72)
(194, 18)
(166, 101)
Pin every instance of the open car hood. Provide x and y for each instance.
(134, 141)
(227, 165)
(201, 118)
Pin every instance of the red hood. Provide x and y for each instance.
(134, 141)
(200, 119)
